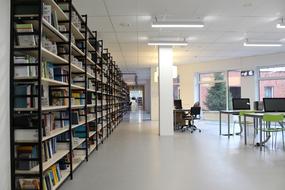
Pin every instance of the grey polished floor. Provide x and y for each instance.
(136, 158)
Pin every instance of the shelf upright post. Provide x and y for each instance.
(40, 92)
(96, 43)
(12, 135)
(69, 88)
(86, 84)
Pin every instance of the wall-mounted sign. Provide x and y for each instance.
(247, 73)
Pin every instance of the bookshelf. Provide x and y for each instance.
(66, 93)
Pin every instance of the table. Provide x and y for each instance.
(228, 113)
(258, 119)
(181, 111)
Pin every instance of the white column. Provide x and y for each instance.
(165, 62)
(4, 94)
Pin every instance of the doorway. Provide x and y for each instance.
(137, 97)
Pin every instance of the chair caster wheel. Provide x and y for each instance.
(199, 131)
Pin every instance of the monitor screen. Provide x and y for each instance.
(274, 104)
(241, 104)
(178, 104)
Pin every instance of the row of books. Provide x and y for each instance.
(26, 152)
(52, 177)
(78, 98)
(50, 15)
(57, 73)
(50, 97)
(23, 70)
(49, 148)
(54, 121)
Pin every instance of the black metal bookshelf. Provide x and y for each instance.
(64, 93)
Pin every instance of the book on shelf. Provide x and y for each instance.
(80, 131)
(47, 11)
(49, 148)
(54, 19)
(25, 90)
(75, 118)
(48, 123)
(25, 40)
(26, 135)
(52, 177)
(58, 97)
(90, 98)
(78, 98)
(29, 184)
(47, 70)
(60, 74)
(24, 71)
(49, 45)
(27, 152)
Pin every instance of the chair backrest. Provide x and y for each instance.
(273, 118)
(195, 111)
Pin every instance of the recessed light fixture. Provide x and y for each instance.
(165, 24)
(167, 43)
(247, 44)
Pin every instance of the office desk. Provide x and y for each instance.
(179, 113)
(258, 117)
(229, 113)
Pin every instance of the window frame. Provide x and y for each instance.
(199, 82)
(259, 78)
(226, 81)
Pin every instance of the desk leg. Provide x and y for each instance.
(229, 123)
(220, 119)
(229, 132)
(260, 134)
(245, 135)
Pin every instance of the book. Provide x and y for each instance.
(47, 13)
(54, 19)
(25, 40)
(29, 184)
(26, 135)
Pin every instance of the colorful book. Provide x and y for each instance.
(25, 40)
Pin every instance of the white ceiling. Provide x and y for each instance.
(125, 27)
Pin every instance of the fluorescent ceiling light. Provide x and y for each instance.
(247, 44)
(177, 25)
(163, 43)
(280, 26)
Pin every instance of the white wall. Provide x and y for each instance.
(4, 94)
(154, 96)
(187, 75)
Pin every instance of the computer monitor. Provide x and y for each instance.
(178, 104)
(241, 104)
(274, 104)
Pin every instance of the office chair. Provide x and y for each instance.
(193, 115)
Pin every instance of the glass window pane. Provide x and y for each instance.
(213, 96)
(211, 77)
(272, 89)
(234, 79)
(272, 72)
(176, 88)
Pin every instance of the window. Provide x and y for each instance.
(234, 88)
(268, 91)
(213, 94)
(176, 88)
(271, 82)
